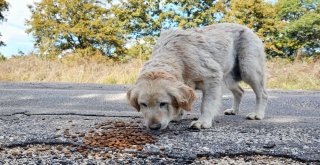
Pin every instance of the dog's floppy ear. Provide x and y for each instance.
(132, 97)
(183, 96)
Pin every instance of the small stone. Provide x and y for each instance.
(42, 149)
(120, 124)
(90, 157)
(270, 144)
(139, 148)
(15, 153)
(249, 142)
(119, 155)
(59, 147)
(162, 148)
(206, 149)
(65, 150)
(258, 151)
(29, 152)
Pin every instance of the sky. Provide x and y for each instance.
(13, 30)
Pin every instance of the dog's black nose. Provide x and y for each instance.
(155, 126)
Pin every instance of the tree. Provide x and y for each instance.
(2, 57)
(260, 16)
(190, 14)
(302, 19)
(76, 25)
(138, 17)
(141, 20)
(144, 19)
(4, 6)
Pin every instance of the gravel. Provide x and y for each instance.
(71, 124)
(65, 141)
(68, 154)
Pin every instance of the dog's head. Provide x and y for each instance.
(161, 98)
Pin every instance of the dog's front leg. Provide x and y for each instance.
(210, 105)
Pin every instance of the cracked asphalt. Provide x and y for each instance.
(35, 114)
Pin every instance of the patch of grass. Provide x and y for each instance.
(290, 75)
(33, 69)
(282, 73)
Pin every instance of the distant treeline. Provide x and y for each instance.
(125, 29)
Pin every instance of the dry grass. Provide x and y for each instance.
(31, 68)
(282, 73)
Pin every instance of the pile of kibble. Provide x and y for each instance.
(115, 135)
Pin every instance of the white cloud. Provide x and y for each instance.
(13, 30)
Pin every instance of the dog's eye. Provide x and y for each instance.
(162, 104)
(143, 104)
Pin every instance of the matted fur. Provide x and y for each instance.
(201, 58)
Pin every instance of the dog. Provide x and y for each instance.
(201, 58)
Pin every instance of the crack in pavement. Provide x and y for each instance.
(69, 114)
(35, 142)
(253, 153)
(186, 158)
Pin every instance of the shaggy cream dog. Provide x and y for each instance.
(204, 59)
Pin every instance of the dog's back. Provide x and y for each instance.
(248, 48)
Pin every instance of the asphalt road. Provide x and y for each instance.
(32, 113)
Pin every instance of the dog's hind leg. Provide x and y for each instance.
(251, 58)
(237, 92)
(256, 81)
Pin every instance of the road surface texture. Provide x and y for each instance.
(51, 123)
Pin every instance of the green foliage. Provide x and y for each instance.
(140, 18)
(127, 29)
(59, 25)
(4, 6)
(306, 31)
(141, 49)
(2, 57)
(290, 10)
(301, 34)
(189, 14)
(302, 26)
(258, 15)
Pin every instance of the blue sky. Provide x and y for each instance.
(13, 30)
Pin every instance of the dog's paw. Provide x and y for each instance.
(255, 116)
(201, 124)
(230, 112)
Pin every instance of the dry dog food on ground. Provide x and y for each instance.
(115, 135)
